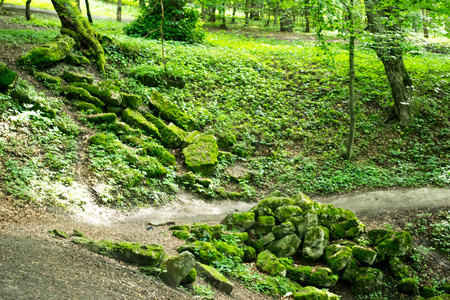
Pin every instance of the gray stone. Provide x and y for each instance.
(316, 239)
(285, 247)
(217, 280)
(177, 268)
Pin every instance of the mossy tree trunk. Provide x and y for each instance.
(77, 27)
(28, 10)
(88, 11)
(351, 83)
(119, 11)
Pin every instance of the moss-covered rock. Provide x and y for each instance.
(398, 268)
(177, 268)
(329, 214)
(313, 293)
(304, 222)
(76, 60)
(181, 234)
(8, 77)
(269, 263)
(408, 285)
(59, 233)
(364, 255)
(301, 274)
(267, 239)
(171, 135)
(367, 281)
(115, 109)
(239, 221)
(323, 278)
(206, 182)
(189, 138)
(337, 256)
(303, 201)
(249, 253)
(188, 178)
(190, 277)
(170, 111)
(105, 118)
(274, 202)
(106, 94)
(226, 139)
(229, 250)
(24, 95)
(347, 229)
(180, 227)
(134, 118)
(158, 151)
(204, 251)
(398, 244)
(77, 93)
(282, 213)
(151, 166)
(47, 79)
(316, 239)
(201, 156)
(219, 281)
(201, 231)
(264, 225)
(284, 229)
(86, 107)
(129, 100)
(50, 53)
(78, 233)
(70, 76)
(148, 255)
(262, 211)
(351, 271)
(285, 247)
(122, 128)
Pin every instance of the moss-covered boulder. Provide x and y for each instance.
(204, 251)
(201, 156)
(329, 214)
(313, 293)
(8, 77)
(408, 285)
(180, 227)
(274, 202)
(158, 151)
(106, 94)
(76, 60)
(269, 263)
(50, 53)
(135, 119)
(304, 222)
(59, 233)
(239, 221)
(337, 256)
(284, 229)
(70, 76)
(190, 277)
(182, 234)
(249, 253)
(170, 111)
(201, 231)
(189, 138)
(217, 280)
(24, 95)
(267, 239)
(47, 79)
(347, 229)
(323, 278)
(398, 268)
(105, 118)
(226, 139)
(301, 274)
(77, 93)
(285, 247)
(229, 250)
(316, 239)
(115, 110)
(177, 268)
(364, 255)
(391, 243)
(129, 100)
(122, 128)
(171, 135)
(264, 225)
(285, 212)
(351, 271)
(367, 281)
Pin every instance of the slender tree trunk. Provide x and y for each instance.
(268, 19)
(387, 44)
(275, 14)
(224, 20)
(286, 21)
(233, 18)
(119, 10)
(204, 10)
(307, 17)
(76, 26)
(28, 10)
(425, 23)
(88, 11)
(247, 13)
(1, 4)
(351, 84)
(212, 14)
(79, 5)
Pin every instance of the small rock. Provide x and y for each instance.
(219, 281)
(177, 268)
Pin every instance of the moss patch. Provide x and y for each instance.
(201, 156)
(134, 118)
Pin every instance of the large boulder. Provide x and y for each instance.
(7, 77)
(313, 293)
(264, 225)
(304, 222)
(390, 243)
(347, 229)
(269, 263)
(364, 255)
(130, 100)
(285, 247)
(282, 213)
(50, 53)
(316, 239)
(367, 281)
(337, 256)
(104, 118)
(217, 280)
(171, 135)
(301, 274)
(170, 111)
(177, 268)
(284, 229)
(201, 155)
(239, 221)
(204, 251)
(323, 278)
(134, 118)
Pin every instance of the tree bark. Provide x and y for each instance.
(1, 4)
(286, 23)
(307, 17)
(28, 10)
(275, 13)
(387, 44)
(88, 11)
(233, 18)
(247, 13)
(224, 19)
(425, 24)
(119, 10)
(351, 85)
(212, 14)
(77, 27)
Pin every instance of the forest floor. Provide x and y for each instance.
(33, 264)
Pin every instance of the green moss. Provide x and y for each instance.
(351, 271)
(396, 246)
(170, 111)
(77, 60)
(303, 201)
(408, 285)
(316, 239)
(201, 231)
(329, 214)
(50, 53)
(77, 77)
(312, 293)
(398, 268)
(181, 234)
(301, 274)
(151, 166)
(269, 263)
(226, 139)
(7, 77)
(229, 250)
(105, 118)
(189, 138)
(86, 107)
(282, 213)
(47, 79)
(264, 225)
(216, 231)
(274, 202)
(25, 95)
(115, 110)
(367, 281)
(121, 128)
(171, 136)
(364, 255)
(206, 182)
(239, 221)
(304, 222)
(347, 229)
(129, 100)
(249, 253)
(190, 277)
(204, 251)
(60, 233)
(180, 227)
(77, 93)
(158, 151)
(201, 156)
(285, 247)
(78, 233)
(134, 118)
(188, 178)
(284, 229)
(337, 256)
(323, 278)
(106, 94)
(148, 255)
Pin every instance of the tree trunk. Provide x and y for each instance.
(28, 10)
(286, 23)
(268, 19)
(79, 5)
(76, 26)
(275, 14)
(254, 12)
(88, 11)
(212, 14)
(1, 4)
(351, 84)
(224, 19)
(247, 13)
(233, 18)
(119, 10)
(387, 45)
(307, 17)
(425, 23)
